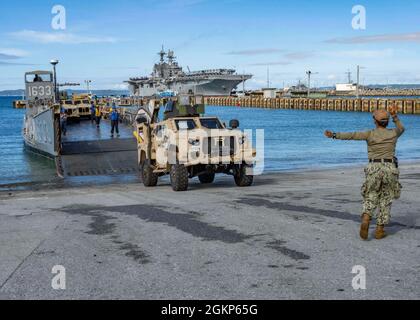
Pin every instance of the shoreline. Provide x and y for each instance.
(290, 235)
(132, 179)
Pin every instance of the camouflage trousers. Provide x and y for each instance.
(381, 187)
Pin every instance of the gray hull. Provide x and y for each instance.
(40, 132)
(214, 87)
(211, 87)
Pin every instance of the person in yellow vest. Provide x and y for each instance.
(98, 116)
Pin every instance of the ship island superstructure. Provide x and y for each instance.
(167, 75)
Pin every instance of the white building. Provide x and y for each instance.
(345, 87)
(269, 92)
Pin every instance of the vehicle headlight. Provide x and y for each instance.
(194, 142)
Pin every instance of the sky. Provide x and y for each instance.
(110, 41)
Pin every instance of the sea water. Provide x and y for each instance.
(293, 140)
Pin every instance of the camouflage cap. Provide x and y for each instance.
(381, 115)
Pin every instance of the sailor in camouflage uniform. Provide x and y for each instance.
(382, 185)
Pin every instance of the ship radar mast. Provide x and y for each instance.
(171, 56)
(162, 55)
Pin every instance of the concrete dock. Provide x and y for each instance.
(290, 236)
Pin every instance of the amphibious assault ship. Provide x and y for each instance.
(168, 75)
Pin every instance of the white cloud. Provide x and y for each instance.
(177, 4)
(120, 86)
(59, 37)
(402, 37)
(274, 63)
(362, 54)
(299, 55)
(10, 53)
(253, 52)
(11, 64)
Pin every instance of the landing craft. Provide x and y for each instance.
(84, 150)
(42, 118)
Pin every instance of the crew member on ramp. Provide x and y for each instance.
(115, 118)
(98, 116)
(382, 185)
(92, 112)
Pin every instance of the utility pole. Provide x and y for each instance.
(348, 73)
(358, 81)
(56, 94)
(88, 82)
(309, 73)
(243, 84)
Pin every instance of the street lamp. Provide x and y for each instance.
(309, 73)
(358, 80)
(88, 82)
(54, 63)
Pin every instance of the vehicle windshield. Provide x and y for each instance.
(211, 123)
(186, 124)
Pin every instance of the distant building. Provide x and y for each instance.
(269, 92)
(345, 87)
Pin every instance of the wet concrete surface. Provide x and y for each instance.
(290, 236)
(89, 151)
(88, 131)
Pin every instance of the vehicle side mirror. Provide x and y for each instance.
(234, 124)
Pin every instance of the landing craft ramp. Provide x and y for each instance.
(90, 151)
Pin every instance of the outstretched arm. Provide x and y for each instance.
(347, 135)
(399, 126)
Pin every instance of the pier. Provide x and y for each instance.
(290, 235)
(405, 106)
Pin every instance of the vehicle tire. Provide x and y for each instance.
(241, 179)
(149, 178)
(179, 177)
(206, 178)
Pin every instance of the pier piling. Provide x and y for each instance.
(405, 106)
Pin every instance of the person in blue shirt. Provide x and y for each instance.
(115, 117)
(92, 112)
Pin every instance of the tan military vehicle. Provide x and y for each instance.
(82, 102)
(71, 109)
(186, 144)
